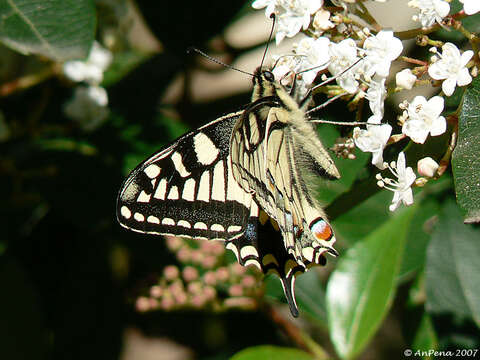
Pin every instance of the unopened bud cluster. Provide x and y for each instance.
(206, 278)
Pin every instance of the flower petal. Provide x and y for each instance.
(463, 77)
(439, 126)
(448, 86)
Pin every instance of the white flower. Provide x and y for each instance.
(373, 140)
(292, 15)
(430, 11)
(405, 79)
(380, 51)
(88, 106)
(451, 67)
(314, 55)
(342, 56)
(285, 68)
(471, 6)
(376, 95)
(427, 167)
(269, 4)
(402, 192)
(90, 70)
(321, 21)
(423, 118)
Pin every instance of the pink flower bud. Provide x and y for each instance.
(427, 167)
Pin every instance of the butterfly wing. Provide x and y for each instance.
(259, 246)
(187, 189)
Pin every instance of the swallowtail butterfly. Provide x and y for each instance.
(227, 179)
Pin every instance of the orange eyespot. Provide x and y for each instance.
(321, 230)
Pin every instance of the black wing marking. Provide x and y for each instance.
(187, 188)
(261, 246)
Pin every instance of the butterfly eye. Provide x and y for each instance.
(269, 76)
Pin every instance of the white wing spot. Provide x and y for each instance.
(130, 191)
(125, 211)
(200, 225)
(234, 228)
(161, 190)
(177, 161)
(253, 262)
(231, 246)
(189, 190)
(217, 227)
(152, 171)
(173, 194)
(247, 251)
(168, 221)
(184, 223)
(153, 219)
(205, 149)
(144, 197)
(139, 217)
(218, 186)
(204, 187)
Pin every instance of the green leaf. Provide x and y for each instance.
(310, 296)
(465, 159)
(352, 225)
(425, 337)
(418, 237)
(350, 169)
(453, 269)
(65, 144)
(268, 352)
(360, 290)
(58, 29)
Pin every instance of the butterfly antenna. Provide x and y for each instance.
(328, 80)
(200, 52)
(272, 16)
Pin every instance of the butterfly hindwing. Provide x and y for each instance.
(187, 188)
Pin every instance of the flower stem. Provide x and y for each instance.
(27, 81)
(445, 161)
(300, 338)
(413, 61)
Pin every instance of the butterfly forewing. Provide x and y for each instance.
(187, 189)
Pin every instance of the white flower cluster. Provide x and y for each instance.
(88, 106)
(361, 66)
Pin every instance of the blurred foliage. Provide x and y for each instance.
(71, 277)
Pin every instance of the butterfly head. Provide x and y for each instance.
(262, 75)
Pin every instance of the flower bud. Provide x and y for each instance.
(405, 79)
(427, 167)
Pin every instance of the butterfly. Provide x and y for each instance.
(237, 178)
